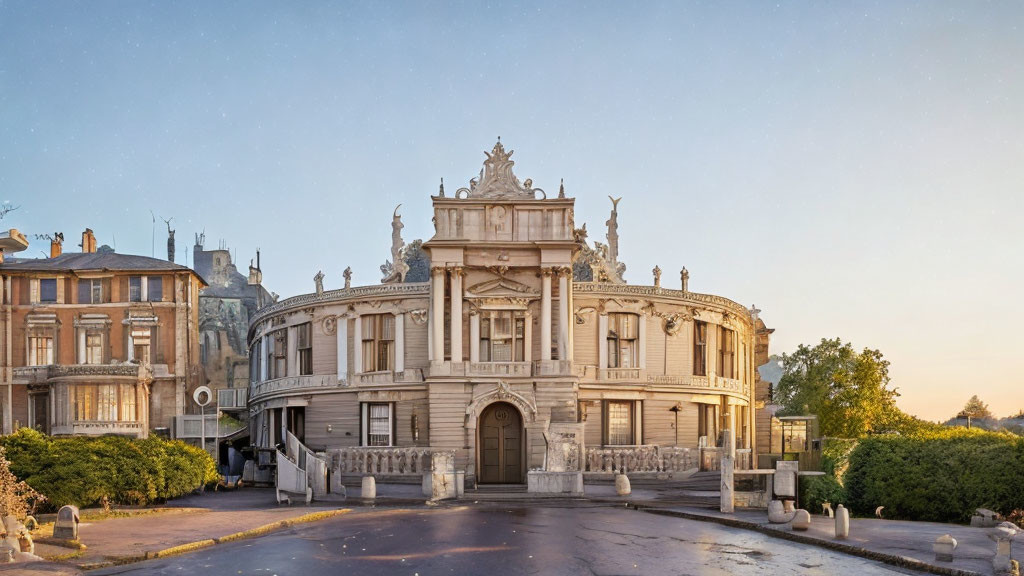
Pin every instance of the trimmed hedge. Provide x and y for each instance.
(940, 476)
(815, 490)
(82, 470)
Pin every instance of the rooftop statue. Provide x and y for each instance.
(319, 280)
(348, 277)
(395, 269)
(496, 179)
(613, 231)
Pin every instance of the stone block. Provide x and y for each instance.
(622, 486)
(801, 520)
(842, 516)
(943, 548)
(66, 526)
(777, 513)
(369, 488)
(565, 483)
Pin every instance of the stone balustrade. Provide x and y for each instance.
(638, 459)
(368, 460)
(260, 389)
(711, 459)
(621, 374)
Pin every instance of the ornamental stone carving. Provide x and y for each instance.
(394, 270)
(502, 393)
(496, 179)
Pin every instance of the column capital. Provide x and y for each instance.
(547, 271)
(457, 271)
(438, 269)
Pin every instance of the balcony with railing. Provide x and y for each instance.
(258, 390)
(622, 374)
(100, 428)
(388, 377)
(552, 368)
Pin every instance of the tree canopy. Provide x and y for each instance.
(975, 408)
(848, 391)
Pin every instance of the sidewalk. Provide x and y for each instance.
(191, 522)
(899, 542)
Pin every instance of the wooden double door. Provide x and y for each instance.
(501, 445)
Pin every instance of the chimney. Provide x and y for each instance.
(56, 245)
(88, 242)
(684, 277)
(170, 244)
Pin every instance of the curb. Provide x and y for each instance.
(208, 542)
(891, 559)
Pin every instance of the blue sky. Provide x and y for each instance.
(854, 169)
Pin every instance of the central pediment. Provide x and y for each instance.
(501, 288)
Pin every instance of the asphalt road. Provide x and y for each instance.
(510, 539)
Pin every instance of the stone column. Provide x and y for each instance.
(474, 337)
(563, 313)
(727, 503)
(292, 362)
(528, 337)
(357, 346)
(437, 311)
(456, 314)
(399, 342)
(342, 348)
(545, 315)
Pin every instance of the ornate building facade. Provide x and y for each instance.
(521, 325)
(96, 342)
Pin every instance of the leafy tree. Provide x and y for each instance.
(16, 497)
(847, 390)
(975, 408)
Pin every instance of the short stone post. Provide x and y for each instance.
(369, 489)
(801, 520)
(943, 548)
(622, 486)
(727, 502)
(1003, 535)
(842, 522)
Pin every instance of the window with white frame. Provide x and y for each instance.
(135, 288)
(128, 403)
(93, 348)
(622, 340)
(619, 422)
(277, 360)
(304, 345)
(378, 424)
(502, 336)
(40, 349)
(90, 291)
(141, 344)
(378, 346)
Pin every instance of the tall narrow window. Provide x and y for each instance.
(378, 424)
(106, 402)
(93, 348)
(84, 402)
(47, 289)
(726, 352)
(141, 340)
(40, 350)
(378, 342)
(135, 289)
(90, 291)
(304, 343)
(700, 348)
(128, 403)
(619, 422)
(255, 361)
(502, 337)
(278, 367)
(154, 288)
(622, 340)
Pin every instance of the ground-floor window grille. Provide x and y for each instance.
(619, 422)
(378, 424)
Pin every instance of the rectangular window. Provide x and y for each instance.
(378, 342)
(618, 422)
(141, 340)
(135, 289)
(84, 402)
(47, 289)
(106, 402)
(128, 403)
(622, 340)
(700, 348)
(93, 348)
(304, 342)
(726, 352)
(278, 367)
(90, 291)
(154, 288)
(378, 424)
(502, 337)
(40, 350)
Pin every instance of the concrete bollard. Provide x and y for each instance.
(369, 489)
(943, 548)
(801, 521)
(622, 486)
(842, 522)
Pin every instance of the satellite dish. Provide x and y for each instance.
(203, 395)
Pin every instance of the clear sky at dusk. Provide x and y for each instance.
(854, 169)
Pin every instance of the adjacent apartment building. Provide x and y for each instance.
(96, 342)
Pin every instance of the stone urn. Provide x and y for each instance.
(622, 487)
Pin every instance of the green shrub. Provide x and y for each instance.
(937, 475)
(816, 490)
(83, 470)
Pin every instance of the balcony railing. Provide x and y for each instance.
(711, 458)
(368, 460)
(552, 368)
(287, 383)
(504, 369)
(620, 374)
(232, 398)
(99, 427)
(647, 458)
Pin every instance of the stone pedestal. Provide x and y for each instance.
(565, 483)
(842, 522)
(727, 503)
(440, 482)
(943, 548)
(1003, 534)
(66, 526)
(622, 486)
(369, 488)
